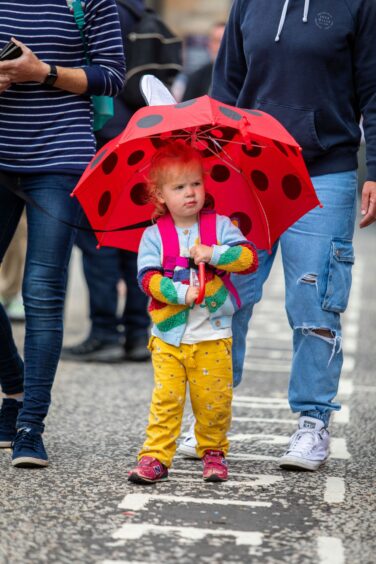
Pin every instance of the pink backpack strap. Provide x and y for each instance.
(208, 227)
(208, 236)
(170, 246)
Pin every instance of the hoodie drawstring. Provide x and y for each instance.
(305, 13)
(283, 17)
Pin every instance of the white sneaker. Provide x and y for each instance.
(187, 447)
(308, 447)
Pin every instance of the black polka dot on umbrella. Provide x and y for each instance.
(135, 157)
(104, 203)
(254, 151)
(281, 147)
(260, 180)
(243, 221)
(232, 114)
(139, 194)
(253, 112)
(209, 203)
(185, 104)
(149, 121)
(110, 163)
(291, 186)
(220, 173)
(98, 158)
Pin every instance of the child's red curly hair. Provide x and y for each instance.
(172, 154)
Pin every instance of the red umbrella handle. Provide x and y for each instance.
(201, 279)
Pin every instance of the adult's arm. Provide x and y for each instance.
(29, 68)
(365, 80)
(105, 73)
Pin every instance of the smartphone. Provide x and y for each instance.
(10, 51)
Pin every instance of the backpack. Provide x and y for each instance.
(171, 248)
(151, 48)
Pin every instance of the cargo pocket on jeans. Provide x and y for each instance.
(339, 276)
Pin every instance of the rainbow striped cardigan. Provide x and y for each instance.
(167, 307)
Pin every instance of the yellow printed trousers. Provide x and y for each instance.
(207, 367)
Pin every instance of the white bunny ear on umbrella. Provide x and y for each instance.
(155, 92)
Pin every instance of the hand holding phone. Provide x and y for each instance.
(10, 51)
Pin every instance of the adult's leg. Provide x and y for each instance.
(101, 270)
(11, 364)
(12, 267)
(48, 252)
(318, 255)
(136, 319)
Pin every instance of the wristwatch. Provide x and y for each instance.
(51, 78)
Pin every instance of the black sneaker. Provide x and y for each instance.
(28, 449)
(94, 350)
(8, 417)
(137, 351)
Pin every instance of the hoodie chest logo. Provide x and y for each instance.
(324, 20)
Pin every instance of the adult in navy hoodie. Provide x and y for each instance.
(312, 65)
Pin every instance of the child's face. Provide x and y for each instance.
(183, 193)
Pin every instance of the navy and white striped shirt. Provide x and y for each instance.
(44, 129)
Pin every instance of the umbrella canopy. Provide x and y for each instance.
(255, 173)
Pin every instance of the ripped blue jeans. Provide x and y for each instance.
(317, 255)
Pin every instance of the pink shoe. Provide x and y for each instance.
(148, 471)
(215, 466)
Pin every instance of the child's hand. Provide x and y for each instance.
(191, 295)
(201, 253)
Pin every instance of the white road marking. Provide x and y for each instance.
(366, 389)
(334, 490)
(348, 363)
(136, 502)
(256, 479)
(275, 420)
(252, 457)
(342, 416)
(264, 367)
(259, 437)
(330, 550)
(270, 402)
(133, 531)
(346, 387)
(338, 449)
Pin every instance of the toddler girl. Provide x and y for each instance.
(189, 342)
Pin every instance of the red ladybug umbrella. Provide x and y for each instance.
(255, 172)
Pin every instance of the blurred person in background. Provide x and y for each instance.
(104, 268)
(199, 82)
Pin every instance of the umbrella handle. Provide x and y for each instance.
(201, 279)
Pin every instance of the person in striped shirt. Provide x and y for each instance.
(46, 142)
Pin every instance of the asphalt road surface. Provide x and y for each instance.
(82, 509)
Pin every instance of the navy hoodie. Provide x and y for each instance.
(312, 67)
